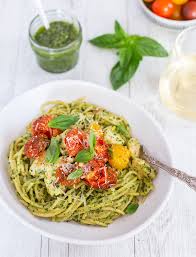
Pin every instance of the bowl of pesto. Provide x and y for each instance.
(107, 196)
(56, 49)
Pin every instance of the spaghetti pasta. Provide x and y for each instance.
(80, 202)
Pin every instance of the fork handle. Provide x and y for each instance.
(189, 180)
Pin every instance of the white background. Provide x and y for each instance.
(173, 234)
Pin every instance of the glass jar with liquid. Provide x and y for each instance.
(56, 49)
(178, 82)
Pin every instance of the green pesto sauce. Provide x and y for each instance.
(62, 43)
(59, 34)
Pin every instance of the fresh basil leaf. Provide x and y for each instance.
(119, 30)
(84, 156)
(131, 49)
(125, 55)
(120, 75)
(63, 122)
(75, 174)
(53, 151)
(131, 208)
(87, 155)
(149, 47)
(92, 141)
(122, 130)
(107, 41)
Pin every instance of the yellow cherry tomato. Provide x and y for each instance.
(179, 2)
(119, 157)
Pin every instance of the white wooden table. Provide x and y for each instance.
(173, 234)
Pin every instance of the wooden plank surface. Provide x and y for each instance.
(173, 233)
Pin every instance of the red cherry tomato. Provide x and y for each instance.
(75, 141)
(101, 149)
(40, 126)
(163, 8)
(61, 177)
(95, 164)
(101, 178)
(189, 10)
(35, 146)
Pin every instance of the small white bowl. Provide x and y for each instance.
(166, 22)
(18, 113)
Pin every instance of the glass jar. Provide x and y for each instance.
(178, 82)
(61, 59)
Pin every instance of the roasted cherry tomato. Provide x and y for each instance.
(95, 164)
(101, 149)
(189, 10)
(101, 178)
(75, 141)
(180, 2)
(62, 178)
(163, 8)
(35, 146)
(177, 15)
(40, 126)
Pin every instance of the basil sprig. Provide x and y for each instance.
(63, 121)
(87, 154)
(75, 174)
(53, 151)
(131, 208)
(130, 49)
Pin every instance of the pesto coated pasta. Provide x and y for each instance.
(86, 168)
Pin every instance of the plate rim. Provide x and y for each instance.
(111, 240)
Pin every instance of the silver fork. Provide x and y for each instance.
(189, 180)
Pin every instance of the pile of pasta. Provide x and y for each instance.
(80, 203)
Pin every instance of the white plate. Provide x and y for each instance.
(18, 113)
(167, 22)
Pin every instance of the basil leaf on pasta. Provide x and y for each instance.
(53, 151)
(84, 156)
(63, 121)
(75, 174)
(131, 208)
(87, 154)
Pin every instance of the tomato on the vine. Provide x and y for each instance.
(163, 8)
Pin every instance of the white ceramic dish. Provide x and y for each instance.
(166, 22)
(24, 108)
